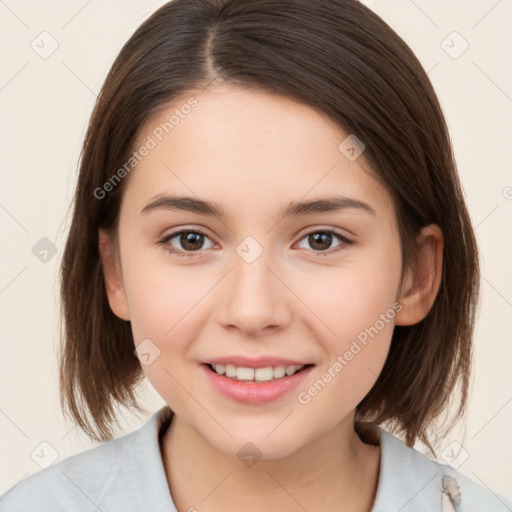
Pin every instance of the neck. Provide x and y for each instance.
(337, 469)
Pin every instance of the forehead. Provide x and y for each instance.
(247, 150)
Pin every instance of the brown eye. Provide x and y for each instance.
(191, 241)
(188, 241)
(321, 241)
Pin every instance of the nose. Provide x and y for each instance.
(254, 298)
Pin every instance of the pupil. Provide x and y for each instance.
(189, 238)
(319, 238)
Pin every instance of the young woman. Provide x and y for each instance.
(269, 226)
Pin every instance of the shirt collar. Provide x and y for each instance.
(398, 488)
(408, 480)
(143, 457)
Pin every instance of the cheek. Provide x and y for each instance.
(355, 357)
(165, 302)
(357, 307)
(353, 297)
(160, 319)
(162, 294)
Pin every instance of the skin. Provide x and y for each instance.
(234, 148)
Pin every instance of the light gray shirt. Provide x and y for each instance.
(127, 474)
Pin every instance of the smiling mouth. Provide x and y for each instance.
(258, 375)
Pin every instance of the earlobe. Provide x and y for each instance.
(421, 284)
(112, 275)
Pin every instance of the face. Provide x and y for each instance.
(317, 287)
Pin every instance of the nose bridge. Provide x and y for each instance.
(255, 297)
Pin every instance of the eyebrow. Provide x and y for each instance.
(298, 208)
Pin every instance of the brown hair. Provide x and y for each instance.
(340, 58)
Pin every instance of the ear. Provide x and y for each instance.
(112, 275)
(421, 284)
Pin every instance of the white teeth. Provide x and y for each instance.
(244, 373)
(259, 374)
(279, 371)
(290, 370)
(230, 370)
(264, 374)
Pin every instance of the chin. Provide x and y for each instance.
(250, 451)
(268, 442)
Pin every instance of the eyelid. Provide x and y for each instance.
(345, 240)
(339, 231)
(173, 233)
(305, 231)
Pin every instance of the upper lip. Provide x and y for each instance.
(255, 362)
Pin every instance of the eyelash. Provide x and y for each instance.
(183, 254)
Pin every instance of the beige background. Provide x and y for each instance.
(45, 104)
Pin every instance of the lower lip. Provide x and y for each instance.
(254, 392)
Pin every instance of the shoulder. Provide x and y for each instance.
(72, 480)
(410, 481)
(116, 476)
